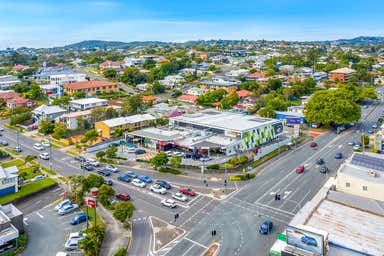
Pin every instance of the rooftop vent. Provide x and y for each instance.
(372, 173)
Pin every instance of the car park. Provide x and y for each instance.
(46, 144)
(313, 144)
(168, 203)
(324, 169)
(338, 155)
(108, 182)
(374, 126)
(169, 153)
(87, 166)
(144, 178)
(158, 189)
(138, 183)
(300, 169)
(351, 143)
(123, 196)
(68, 209)
(79, 218)
(139, 151)
(266, 227)
(320, 161)
(37, 178)
(187, 191)
(80, 158)
(164, 184)
(62, 203)
(17, 149)
(179, 196)
(38, 146)
(112, 168)
(131, 174)
(77, 235)
(124, 177)
(104, 172)
(44, 156)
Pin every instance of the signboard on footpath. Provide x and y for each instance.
(90, 201)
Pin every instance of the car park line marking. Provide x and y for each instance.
(197, 243)
(25, 221)
(286, 194)
(39, 214)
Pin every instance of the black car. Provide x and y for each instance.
(104, 172)
(87, 167)
(80, 158)
(164, 184)
(320, 161)
(324, 169)
(139, 151)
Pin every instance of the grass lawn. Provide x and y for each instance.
(10, 151)
(28, 189)
(29, 172)
(52, 172)
(91, 214)
(15, 162)
(72, 152)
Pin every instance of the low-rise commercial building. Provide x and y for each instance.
(72, 119)
(342, 74)
(130, 123)
(11, 225)
(90, 87)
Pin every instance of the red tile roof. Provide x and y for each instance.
(149, 98)
(18, 100)
(87, 84)
(188, 98)
(8, 95)
(19, 67)
(244, 93)
(257, 75)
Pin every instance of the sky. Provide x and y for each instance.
(48, 23)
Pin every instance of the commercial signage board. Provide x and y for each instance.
(293, 120)
(306, 240)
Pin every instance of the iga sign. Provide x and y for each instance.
(293, 120)
(306, 240)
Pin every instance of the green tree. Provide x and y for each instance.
(111, 152)
(100, 154)
(121, 252)
(149, 64)
(123, 210)
(20, 118)
(35, 93)
(91, 244)
(60, 131)
(133, 104)
(274, 84)
(159, 160)
(230, 100)
(90, 135)
(133, 76)
(110, 73)
(46, 126)
(267, 111)
(106, 193)
(364, 140)
(175, 161)
(158, 88)
(91, 181)
(62, 101)
(212, 67)
(79, 95)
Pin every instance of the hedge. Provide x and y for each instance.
(169, 170)
(242, 177)
(213, 167)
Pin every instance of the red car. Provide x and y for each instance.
(313, 145)
(300, 169)
(123, 196)
(187, 191)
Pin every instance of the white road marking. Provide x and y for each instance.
(39, 214)
(286, 193)
(25, 221)
(197, 243)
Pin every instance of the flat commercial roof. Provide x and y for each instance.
(224, 120)
(350, 227)
(158, 134)
(88, 101)
(128, 120)
(362, 173)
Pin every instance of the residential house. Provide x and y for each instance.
(116, 65)
(319, 76)
(47, 112)
(150, 99)
(188, 98)
(130, 123)
(8, 94)
(172, 81)
(256, 76)
(142, 87)
(342, 75)
(91, 87)
(71, 119)
(244, 93)
(59, 75)
(7, 82)
(133, 62)
(305, 72)
(287, 69)
(9, 179)
(217, 82)
(237, 73)
(194, 91)
(20, 103)
(19, 67)
(88, 103)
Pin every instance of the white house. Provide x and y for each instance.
(7, 82)
(88, 103)
(8, 180)
(133, 62)
(142, 87)
(47, 112)
(71, 119)
(237, 72)
(194, 91)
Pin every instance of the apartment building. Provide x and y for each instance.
(90, 87)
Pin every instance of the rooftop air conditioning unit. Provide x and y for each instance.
(372, 173)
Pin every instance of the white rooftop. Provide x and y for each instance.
(44, 109)
(88, 101)
(224, 120)
(128, 120)
(344, 71)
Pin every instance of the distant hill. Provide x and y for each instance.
(361, 41)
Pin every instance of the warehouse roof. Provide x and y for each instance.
(128, 120)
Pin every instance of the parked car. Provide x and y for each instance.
(139, 151)
(168, 203)
(62, 203)
(169, 153)
(1, 129)
(4, 143)
(44, 156)
(266, 227)
(144, 178)
(131, 174)
(93, 162)
(77, 235)
(80, 158)
(374, 126)
(108, 182)
(131, 150)
(87, 166)
(320, 161)
(46, 143)
(37, 178)
(370, 131)
(205, 158)
(138, 183)
(356, 147)
(313, 144)
(79, 218)
(324, 169)
(164, 184)
(17, 149)
(124, 177)
(309, 240)
(300, 169)
(158, 189)
(123, 196)
(104, 172)
(351, 143)
(112, 168)
(180, 197)
(187, 191)
(38, 146)
(71, 244)
(338, 155)
(68, 209)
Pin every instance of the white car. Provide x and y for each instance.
(44, 156)
(93, 162)
(131, 150)
(77, 235)
(1, 129)
(158, 189)
(37, 178)
(180, 197)
(356, 147)
(168, 203)
(62, 254)
(112, 168)
(179, 154)
(38, 146)
(374, 126)
(62, 203)
(46, 144)
(68, 209)
(138, 183)
(169, 153)
(71, 244)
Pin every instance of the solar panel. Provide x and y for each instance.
(368, 162)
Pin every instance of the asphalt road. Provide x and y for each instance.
(238, 218)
